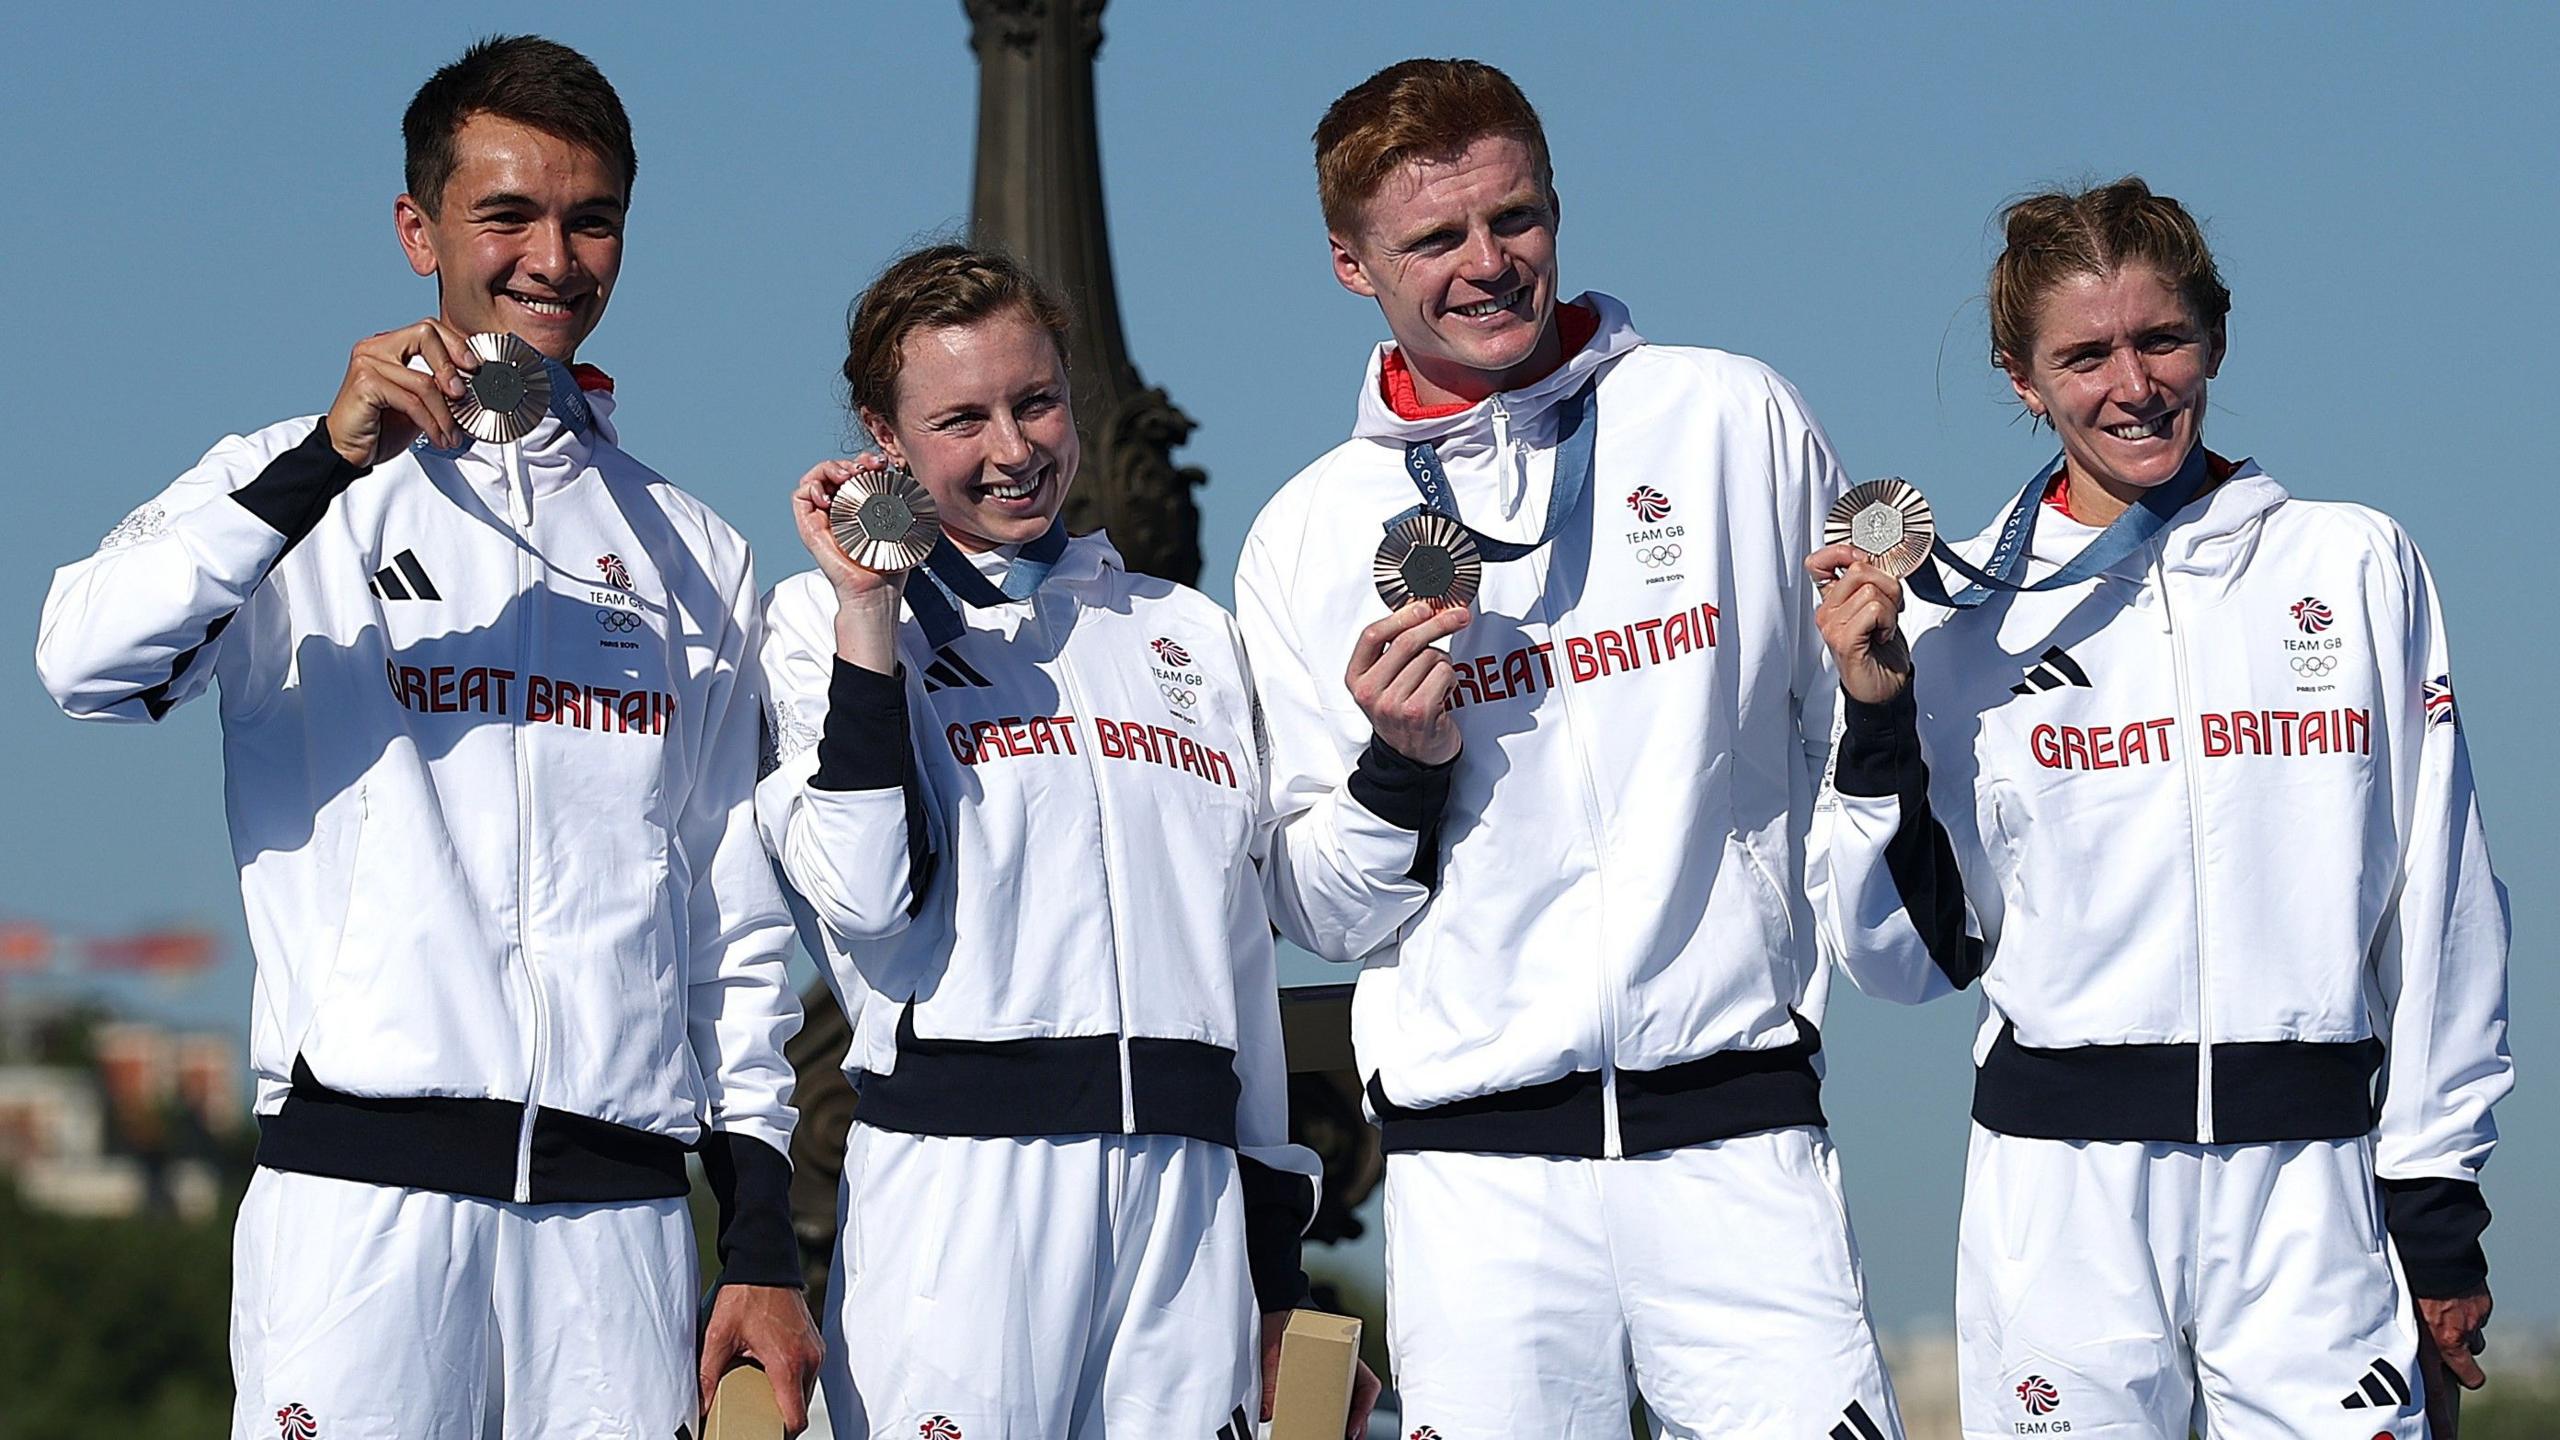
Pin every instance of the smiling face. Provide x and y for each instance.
(1460, 254)
(984, 422)
(2119, 365)
(527, 236)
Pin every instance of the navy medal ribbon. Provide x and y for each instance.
(2132, 530)
(1573, 475)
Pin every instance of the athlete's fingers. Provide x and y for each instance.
(1415, 615)
(1850, 597)
(2466, 1370)
(1862, 575)
(1274, 1324)
(456, 345)
(382, 386)
(1830, 560)
(441, 360)
(1402, 649)
(791, 1397)
(1364, 1398)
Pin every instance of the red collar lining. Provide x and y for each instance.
(2057, 491)
(1575, 325)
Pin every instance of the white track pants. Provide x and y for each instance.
(367, 1312)
(1534, 1296)
(1040, 1289)
(2136, 1289)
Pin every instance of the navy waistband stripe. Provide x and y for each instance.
(465, 1147)
(2263, 1091)
(1714, 1097)
(1068, 1085)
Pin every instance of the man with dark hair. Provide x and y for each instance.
(490, 711)
(1567, 853)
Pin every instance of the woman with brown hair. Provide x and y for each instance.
(2178, 778)
(1017, 788)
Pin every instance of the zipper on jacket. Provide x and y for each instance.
(1512, 458)
(1610, 1145)
(1110, 887)
(528, 576)
(2194, 773)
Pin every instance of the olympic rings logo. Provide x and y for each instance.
(2314, 664)
(618, 621)
(1654, 557)
(1179, 697)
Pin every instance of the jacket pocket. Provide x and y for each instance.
(322, 986)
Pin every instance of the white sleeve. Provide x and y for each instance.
(2440, 971)
(740, 1008)
(1356, 847)
(842, 811)
(135, 629)
(1810, 480)
(1280, 1179)
(739, 1001)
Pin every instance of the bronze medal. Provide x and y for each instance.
(1430, 557)
(508, 395)
(885, 521)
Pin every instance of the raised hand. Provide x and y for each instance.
(1400, 679)
(383, 403)
(866, 600)
(1860, 617)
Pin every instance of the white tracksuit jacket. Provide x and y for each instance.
(489, 731)
(2205, 829)
(1586, 935)
(1035, 855)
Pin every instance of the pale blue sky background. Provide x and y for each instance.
(198, 210)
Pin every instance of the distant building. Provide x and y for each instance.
(135, 1134)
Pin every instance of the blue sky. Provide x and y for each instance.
(199, 207)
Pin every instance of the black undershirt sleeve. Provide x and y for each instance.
(752, 1183)
(866, 746)
(1880, 756)
(1407, 794)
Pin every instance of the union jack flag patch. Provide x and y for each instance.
(2439, 699)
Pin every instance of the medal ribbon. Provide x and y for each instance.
(2131, 531)
(950, 577)
(1574, 441)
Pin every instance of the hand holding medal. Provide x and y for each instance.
(1876, 534)
(1428, 570)
(868, 524)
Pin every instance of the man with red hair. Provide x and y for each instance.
(1566, 853)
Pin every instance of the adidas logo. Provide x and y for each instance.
(2381, 1389)
(1855, 1425)
(2055, 670)
(1237, 1427)
(404, 579)
(949, 672)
